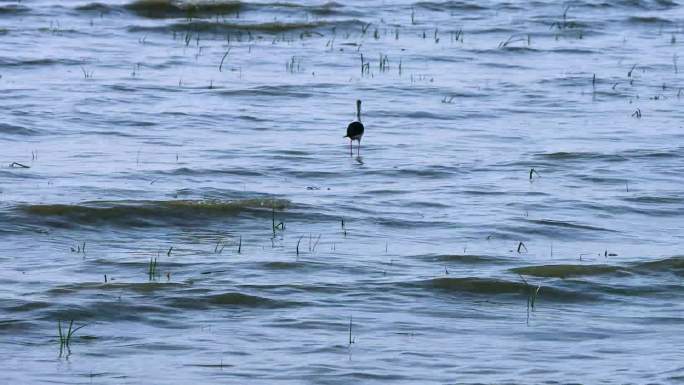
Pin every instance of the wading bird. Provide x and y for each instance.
(355, 130)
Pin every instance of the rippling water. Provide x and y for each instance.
(174, 178)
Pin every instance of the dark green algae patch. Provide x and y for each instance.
(150, 212)
(566, 270)
(167, 9)
(274, 27)
(672, 265)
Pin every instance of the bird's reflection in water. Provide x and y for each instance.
(359, 160)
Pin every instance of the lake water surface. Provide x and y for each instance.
(174, 178)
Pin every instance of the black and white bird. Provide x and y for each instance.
(355, 130)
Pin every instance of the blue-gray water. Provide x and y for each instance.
(160, 130)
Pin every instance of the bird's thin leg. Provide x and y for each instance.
(358, 149)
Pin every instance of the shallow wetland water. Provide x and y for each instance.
(174, 177)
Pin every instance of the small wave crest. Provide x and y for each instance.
(580, 156)
(24, 62)
(647, 20)
(10, 129)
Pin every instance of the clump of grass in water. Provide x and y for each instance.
(298, 241)
(218, 249)
(532, 294)
(629, 73)
(152, 269)
(352, 340)
(66, 335)
(312, 247)
(457, 36)
(521, 248)
(87, 74)
(534, 172)
(364, 29)
(365, 67)
(81, 248)
(331, 43)
(515, 39)
(278, 226)
(564, 24)
(383, 63)
(294, 65)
